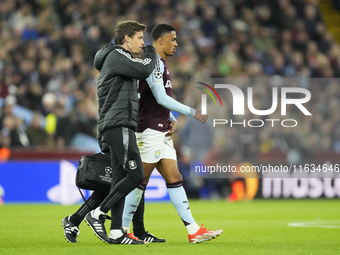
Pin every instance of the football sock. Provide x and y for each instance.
(126, 229)
(76, 219)
(192, 228)
(96, 213)
(131, 204)
(115, 233)
(91, 203)
(138, 218)
(179, 199)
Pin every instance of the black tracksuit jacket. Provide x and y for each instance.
(117, 85)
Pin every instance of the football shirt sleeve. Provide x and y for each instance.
(155, 82)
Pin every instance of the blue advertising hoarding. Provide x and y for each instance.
(54, 182)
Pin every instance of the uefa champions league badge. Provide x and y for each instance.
(157, 153)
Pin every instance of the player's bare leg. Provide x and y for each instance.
(169, 170)
(148, 169)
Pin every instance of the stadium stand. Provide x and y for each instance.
(48, 83)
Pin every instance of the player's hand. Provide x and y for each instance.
(172, 129)
(202, 118)
(146, 49)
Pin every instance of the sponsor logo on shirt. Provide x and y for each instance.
(168, 84)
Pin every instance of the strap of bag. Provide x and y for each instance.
(81, 193)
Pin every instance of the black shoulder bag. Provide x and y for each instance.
(94, 172)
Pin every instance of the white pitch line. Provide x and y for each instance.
(316, 224)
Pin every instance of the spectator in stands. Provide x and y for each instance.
(36, 134)
(66, 128)
(12, 132)
(7, 109)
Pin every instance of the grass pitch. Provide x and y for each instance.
(256, 227)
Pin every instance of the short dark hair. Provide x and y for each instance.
(160, 30)
(129, 28)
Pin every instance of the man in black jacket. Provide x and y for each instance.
(118, 113)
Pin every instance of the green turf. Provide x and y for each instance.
(256, 227)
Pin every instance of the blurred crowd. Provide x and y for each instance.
(48, 83)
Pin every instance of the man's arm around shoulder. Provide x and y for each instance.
(125, 65)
